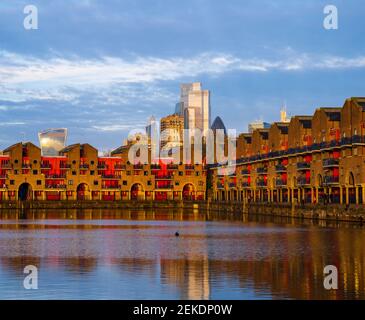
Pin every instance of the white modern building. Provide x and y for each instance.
(195, 106)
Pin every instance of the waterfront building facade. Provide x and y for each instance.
(311, 159)
(78, 173)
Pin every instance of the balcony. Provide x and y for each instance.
(164, 187)
(245, 172)
(220, 185)
(172, 166)
(281, 182)
(280, 168)
(46, 166)
(164, 177)
(102, 166)
(55, 186)
(5, 165)
(111, 187)
(331, 162)
(261, 183)
(246, 184)
(232, 185)
(261, 170)
(303, 166)
(110, 176)
(155, 167)
(356, 139)
(55, 176)
(119, 167)
(329, 180)
(303, 181)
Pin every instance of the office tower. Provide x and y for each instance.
(172, 129)
(150, 126)
(52, 141)
(218, 125)
(259, 124)
(195, 106)
(283, 115)
(179, 108)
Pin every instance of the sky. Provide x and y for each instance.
(101, 68)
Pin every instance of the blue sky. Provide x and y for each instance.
(101, 68)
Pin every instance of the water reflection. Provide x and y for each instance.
(129, 254)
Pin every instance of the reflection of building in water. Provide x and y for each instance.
(52, 141)
(191, 273)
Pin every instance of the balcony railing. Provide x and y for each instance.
(262, 170)
(280, 168)
(111, 187)
(261, 183)
(55, 186)
(172, 166)
(164, 177)
(119, 167)
(331, 180)
(5, 165)
(220, 185)
(102, 166)
(303, 165)
(232, 185)
(305, 149)
(46, 166)
(55, 176)
(331, 162)
(281, 182)
(110, 176)
(245, 172)
(303, 181)
(165, 187)
(246, 184)
(155, 167)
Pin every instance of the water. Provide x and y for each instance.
(119, 254)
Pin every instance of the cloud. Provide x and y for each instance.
(14, 123)
(118, 80)
(118, 127)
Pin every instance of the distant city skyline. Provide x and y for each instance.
(107, 71)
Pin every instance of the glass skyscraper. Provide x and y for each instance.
(52, 141)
